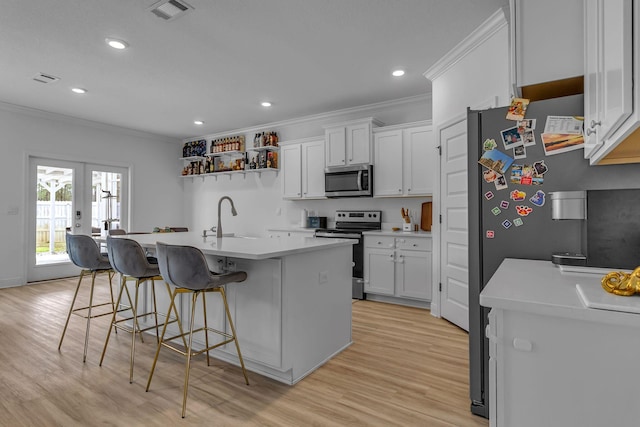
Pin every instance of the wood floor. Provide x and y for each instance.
(405, 368)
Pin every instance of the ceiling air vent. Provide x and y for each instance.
(170, 9)
(45, 78)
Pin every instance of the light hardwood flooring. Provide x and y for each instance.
(405, 368)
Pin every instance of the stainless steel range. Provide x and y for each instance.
(350, 225)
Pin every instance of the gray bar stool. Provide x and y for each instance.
(85, 253)
(185, 268)
(128, 258)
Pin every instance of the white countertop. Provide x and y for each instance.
(398, 233)
(540, 287)
(240, 247)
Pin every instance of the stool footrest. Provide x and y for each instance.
(165, 341)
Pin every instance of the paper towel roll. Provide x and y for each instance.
(303, 218)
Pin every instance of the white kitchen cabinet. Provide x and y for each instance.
(405, 160)
(349, 143)
(612, 107)
(303, 169)
(398, 266)
(539, 54)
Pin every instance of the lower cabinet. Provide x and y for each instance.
(547, 370)
(398, 266)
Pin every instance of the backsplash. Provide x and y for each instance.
(613, 228)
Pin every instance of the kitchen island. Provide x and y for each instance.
(553, 360)
(292, 314)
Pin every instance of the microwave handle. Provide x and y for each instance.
(360, 180)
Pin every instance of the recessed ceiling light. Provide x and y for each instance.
(198, 122)
(117, 43)
(397, 73)
(265, 104)
(78, 90)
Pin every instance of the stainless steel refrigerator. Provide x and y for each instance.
(501, 226)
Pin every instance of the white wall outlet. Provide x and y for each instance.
(323, 277)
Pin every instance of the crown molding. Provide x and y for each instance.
(424, 98)
(43, 114)
(488, 28)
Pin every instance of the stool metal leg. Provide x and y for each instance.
(164, 330)
(194, 299)
(206, 327)
(86, 334)
(113, 318)
(233, 332)
(73, 302)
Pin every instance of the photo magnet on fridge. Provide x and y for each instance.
(511, 138)
(517, 109)
(496, 160)
(501, 182)
(519, 152)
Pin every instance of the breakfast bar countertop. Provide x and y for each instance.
(240, 247)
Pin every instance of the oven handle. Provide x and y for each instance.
(338, 235)
(360, 180)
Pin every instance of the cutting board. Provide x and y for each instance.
(425, 216)
(596, 297)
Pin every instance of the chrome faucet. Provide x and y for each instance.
(233, 212)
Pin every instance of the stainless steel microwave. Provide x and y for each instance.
(349, 181)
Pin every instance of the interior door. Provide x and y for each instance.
(454, 241)
(65, 196)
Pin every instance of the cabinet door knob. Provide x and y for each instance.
(408, 190)
(399, 190)
(594, 123)
(590, 132)
(415, 245)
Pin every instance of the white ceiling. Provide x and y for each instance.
(219, 61)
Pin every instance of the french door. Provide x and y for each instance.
(75, 197)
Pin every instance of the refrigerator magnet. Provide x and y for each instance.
(519, 152)
(539, 198)
(496, 211)
(488, 195)
(489, 176)
(506, 223)
(517, 195)
(504, 204)
(518, 222)
(500, 182)
(496, 160)
(523, 210)
(490, 234)
(517, 108)
(526, 125)
(489, 144)
(528, 138)
(540, 167)
(511, 138)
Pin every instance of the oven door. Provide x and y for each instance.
(357, 281)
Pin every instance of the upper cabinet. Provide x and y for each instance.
(349, 143)
(405, 161)
(303, 169)
(612, 109)
(546, 41)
